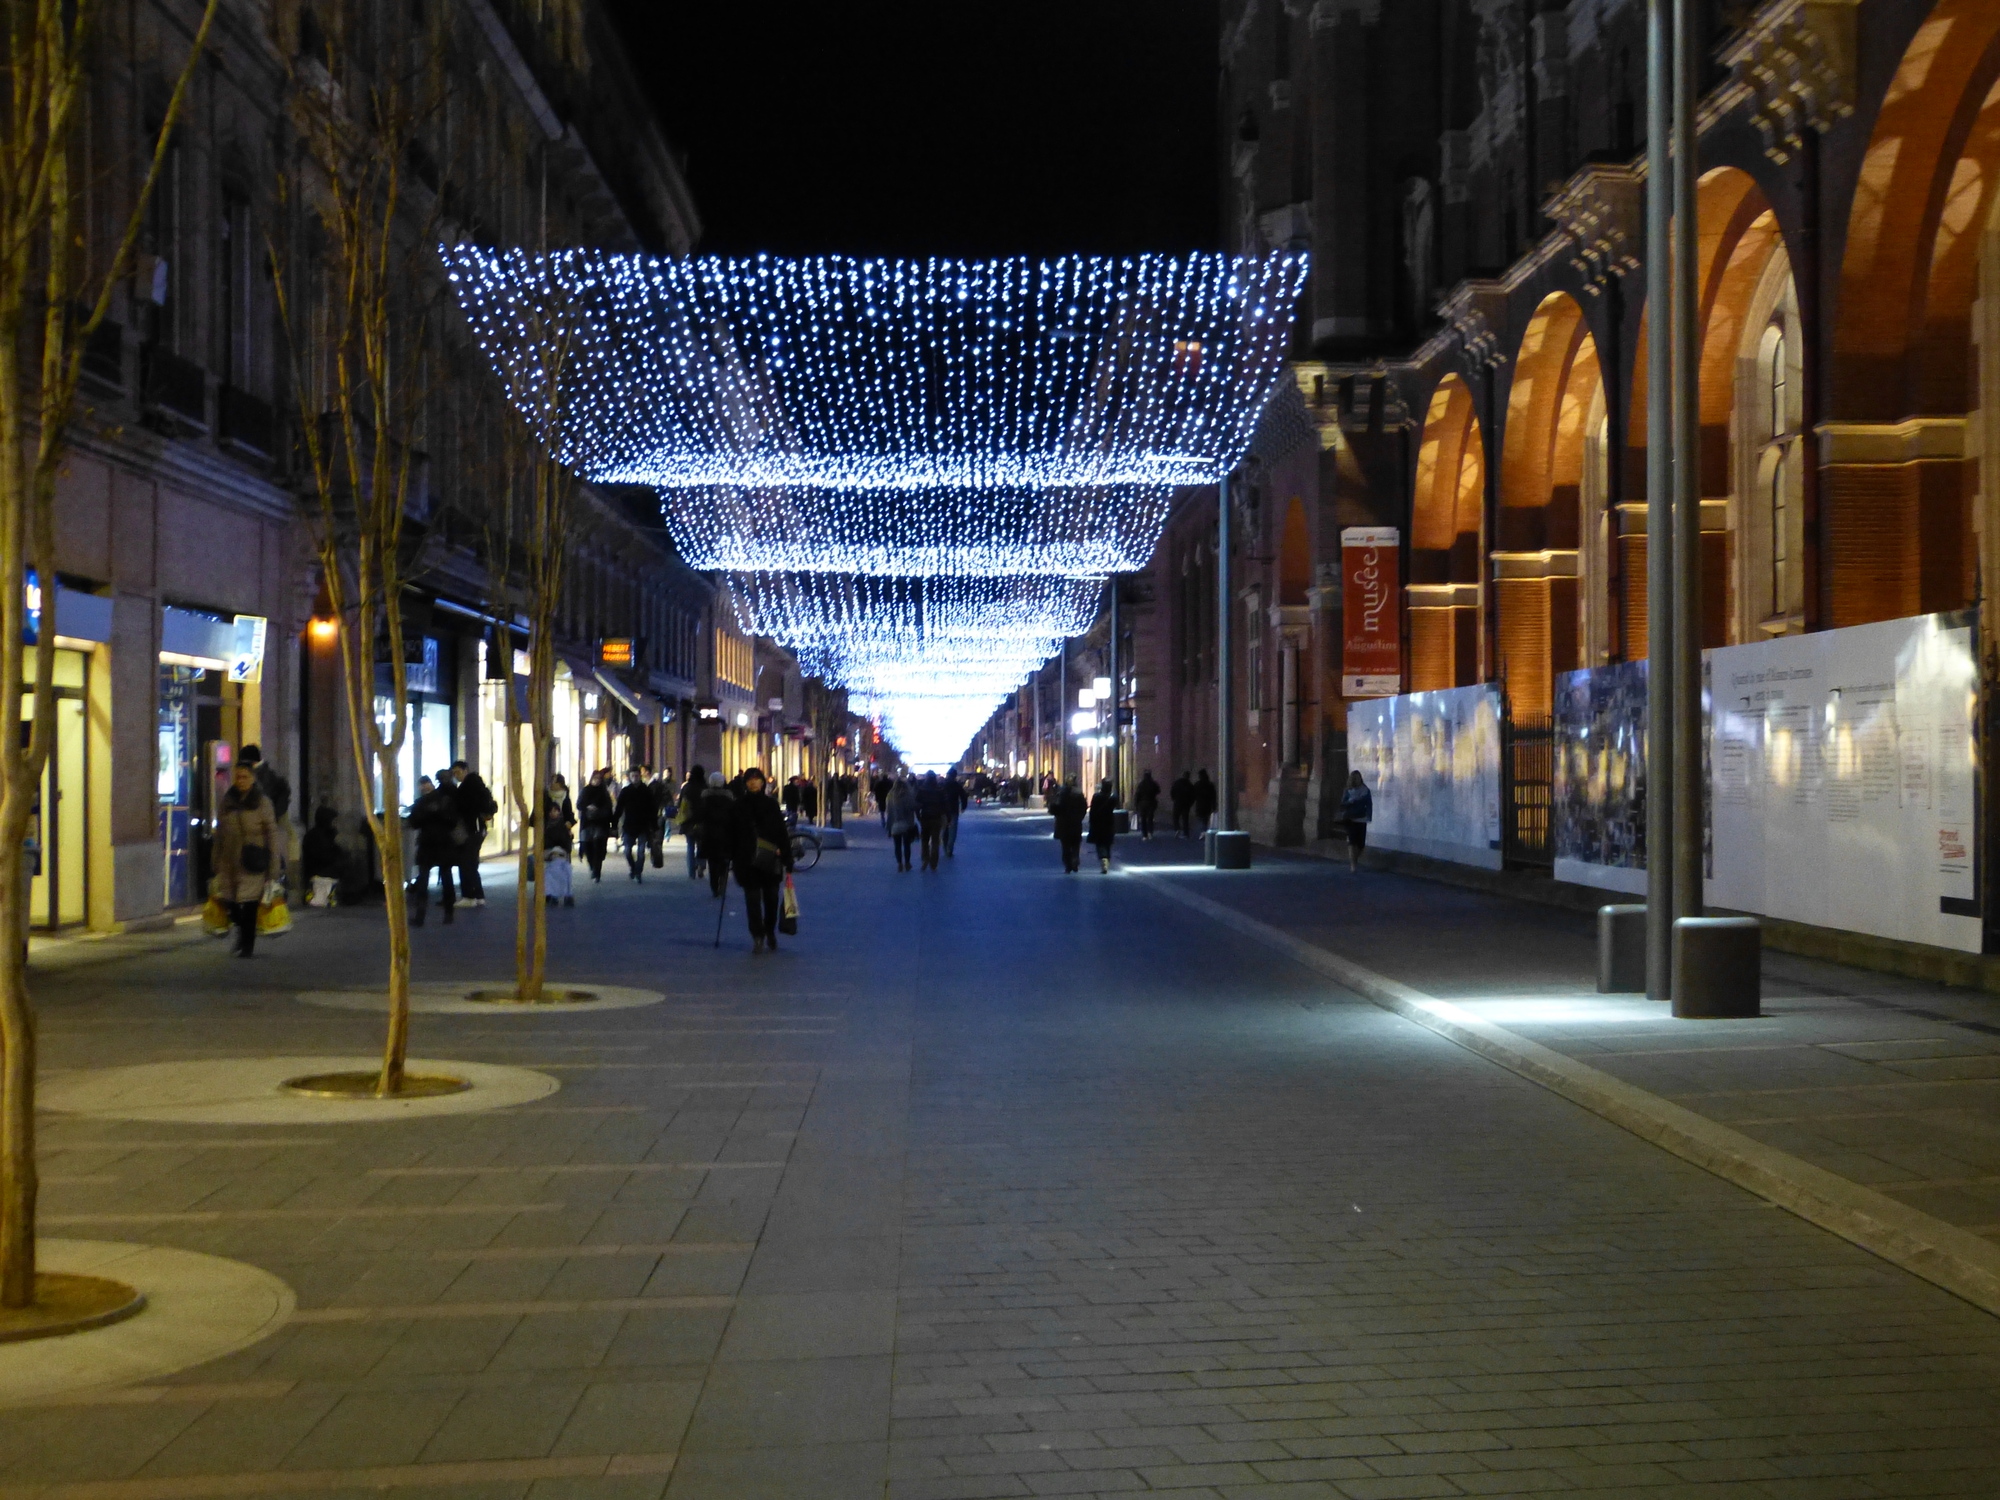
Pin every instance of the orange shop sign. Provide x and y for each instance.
(1371, 654)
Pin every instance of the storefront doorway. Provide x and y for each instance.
(59, 892)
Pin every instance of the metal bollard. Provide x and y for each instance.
(1621, 950)
(1208, 846)
(1232, 849)
(1718, 968)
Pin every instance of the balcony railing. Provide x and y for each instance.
(245, 423)
(175, 389)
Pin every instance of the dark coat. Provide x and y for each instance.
(558, 825)
(475, 802)
(714, 821)
(1103, 819)
(935, 802)
(595, 808)
(757, 817)
(1146, 795)
(1069, 810)
(435, 819)
(1182, 793)
(1204, 797)
(635, 812)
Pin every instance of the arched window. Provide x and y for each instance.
(1778, 459)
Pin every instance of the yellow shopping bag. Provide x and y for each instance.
(215, 918)
(274, 915)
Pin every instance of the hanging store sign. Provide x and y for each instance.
(1371, 655)
(615, 651)
(246, 657)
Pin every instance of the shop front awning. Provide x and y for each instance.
(643, 705)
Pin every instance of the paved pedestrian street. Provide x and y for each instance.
(994, 1182)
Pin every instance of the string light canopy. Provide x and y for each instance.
(1073, 531)
(830, 372)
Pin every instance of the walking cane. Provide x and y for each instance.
(721, 907)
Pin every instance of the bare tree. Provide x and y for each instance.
(55, 293)
(353, 253)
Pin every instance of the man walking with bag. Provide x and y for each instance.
(476, 811)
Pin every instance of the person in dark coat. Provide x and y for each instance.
(1103, 824)
(1181, 795)
(687, 817)
(434, 818)
(715, 820)
(955, 798)
(320, 859)
(1146, 803)
(1070, 810)
(932, 797)
(558, 839)
(595, 813)
(1204, 800)
(476, 811)
(636, 816)
(761, 849)
(1357, 811)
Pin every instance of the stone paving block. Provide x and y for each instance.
(813, 1325)
(366, 1429)
(786, 1403)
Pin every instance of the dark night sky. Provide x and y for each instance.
(941, 126)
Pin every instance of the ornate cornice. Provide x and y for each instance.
(1475, 312)
(1794, 63)
(1598, 212)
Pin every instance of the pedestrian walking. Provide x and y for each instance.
(664, 807)
(715, 820)
(1181, 797)
(433, 817)
(1070, 812)
(476, 809)
(931, 798)
(595, 811)
(1204, 800)
(955, 800)
(247, 851)
(899, 815)
(1103, 824)
(883, 788)
(1146, 803)
(687, 818)
(761, 848)
(636, 816)
(269, 782)
(1357, 811)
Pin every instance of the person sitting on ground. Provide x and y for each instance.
(320, 859)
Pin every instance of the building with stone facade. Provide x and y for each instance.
(179, 531)
(1469, 364)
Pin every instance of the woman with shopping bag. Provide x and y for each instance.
(246, 859)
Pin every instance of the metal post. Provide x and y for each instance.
(1225, 698)
(1689, 801)
(1035, 686)
(1117, 703)
(1062, 715)
(1659, 514)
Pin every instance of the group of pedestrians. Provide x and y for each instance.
(449, 817)
(738, 826)
(922, 814)
(1193, 802)
(1077, 819)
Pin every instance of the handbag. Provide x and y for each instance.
(767, 860)
(788, 909)
(253, 859)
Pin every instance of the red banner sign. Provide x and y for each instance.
(1371, 657)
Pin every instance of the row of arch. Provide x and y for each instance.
(1556, 531)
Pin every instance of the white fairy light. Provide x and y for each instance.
(1072, 531)
(916, 474)
(690, 371)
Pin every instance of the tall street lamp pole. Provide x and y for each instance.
(1660, 655)
(1225, 698)
(1689, 798)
